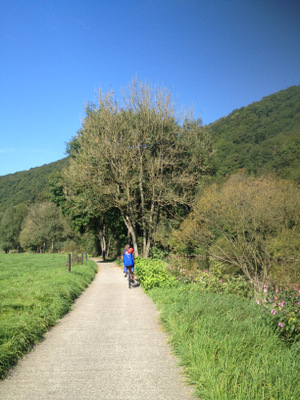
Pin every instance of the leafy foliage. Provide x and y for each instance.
(136, 158)
(210, 280)
(261, 138)
(241, 224)
(43, 228)
(27, 186)
(283, 308)
(153, 273)
(10, 227)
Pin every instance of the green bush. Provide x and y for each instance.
(281, 308)
(188, 272)
(157, 253)
(153, 273)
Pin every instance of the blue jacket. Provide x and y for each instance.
(128, 260)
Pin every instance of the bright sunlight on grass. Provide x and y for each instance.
(226, 347)
(36, 290)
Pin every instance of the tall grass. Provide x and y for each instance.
(36, 290)
(226, 347)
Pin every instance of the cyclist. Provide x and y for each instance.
(128, 261)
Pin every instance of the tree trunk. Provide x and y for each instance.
(146, 249)
(108, 246)
(102, 241)
(133, 234)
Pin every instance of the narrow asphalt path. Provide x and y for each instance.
(109, 347)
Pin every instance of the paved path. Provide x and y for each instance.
(100, 352)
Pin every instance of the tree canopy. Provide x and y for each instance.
(43, 228)
(133, 155)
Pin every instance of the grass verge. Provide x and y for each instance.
(226, 347)
(36, 290)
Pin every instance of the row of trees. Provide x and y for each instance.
(41, 227)
(38, 227)
(139, 172)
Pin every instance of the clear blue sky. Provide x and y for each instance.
(213, 55)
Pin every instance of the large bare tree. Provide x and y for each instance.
(133, 155)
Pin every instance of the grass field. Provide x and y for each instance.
(36, 290)
(228, 350)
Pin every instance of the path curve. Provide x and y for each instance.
(87, 355)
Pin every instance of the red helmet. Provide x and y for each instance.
(130, 251)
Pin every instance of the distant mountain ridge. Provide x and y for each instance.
(261, 138)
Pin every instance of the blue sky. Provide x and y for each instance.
(213, 55)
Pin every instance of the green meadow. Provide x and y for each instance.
(36, 290)
(228, 350)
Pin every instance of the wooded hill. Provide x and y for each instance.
(27, 186)
(260, 138)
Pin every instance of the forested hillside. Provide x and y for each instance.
(26, 185)
(263, 137)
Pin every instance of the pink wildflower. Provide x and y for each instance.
(257, 301)
(265, 290)
(273, 312)
(277, 291)
(280, 324)
(282, 303)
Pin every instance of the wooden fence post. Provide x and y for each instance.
(81, 258)
(69, 257)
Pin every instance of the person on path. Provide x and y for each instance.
(128, 261)
(103, 255)
(125, 269)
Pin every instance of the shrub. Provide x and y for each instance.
(6, 247)
(157, 253)
(282, 308)
(153, 273)
(70, 247)
(184, 269)
(187, 271)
